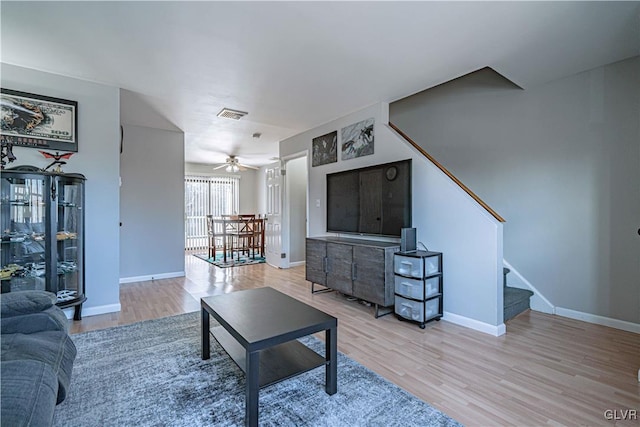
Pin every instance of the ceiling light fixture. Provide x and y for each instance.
(228, 113)
(233, 165)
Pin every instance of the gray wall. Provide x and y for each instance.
(151, 203)
(97, 158)
(561, 163)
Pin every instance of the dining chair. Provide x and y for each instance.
(231, 229)
(214, 236)
(257, 240)
(235, 235)
(245, 234)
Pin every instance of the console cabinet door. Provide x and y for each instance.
(369, 283)
(315, 263)
(340, 267)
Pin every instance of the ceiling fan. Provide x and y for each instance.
(232, 165)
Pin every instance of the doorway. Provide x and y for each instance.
(296, 183)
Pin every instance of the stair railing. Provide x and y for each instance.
(446, 172)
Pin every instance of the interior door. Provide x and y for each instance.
(273, 225)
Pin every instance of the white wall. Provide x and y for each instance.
(561, 162)
(248, 200)
(151, 204)
(446, 218)
(260, 186)
(98, 159)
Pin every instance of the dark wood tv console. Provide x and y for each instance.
(356, 267)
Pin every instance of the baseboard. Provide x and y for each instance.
(296, 263)
(486, 328)
(151, 277)
(93, 311)
(598, 320)
(537, 302)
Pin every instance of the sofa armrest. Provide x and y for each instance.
(51, 319)
(25, 302)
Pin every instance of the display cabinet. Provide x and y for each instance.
(43, 234)
(418, 286)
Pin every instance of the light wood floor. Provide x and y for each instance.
(546, 370)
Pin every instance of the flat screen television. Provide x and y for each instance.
(374, 200)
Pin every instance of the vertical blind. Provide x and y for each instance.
(207, 195)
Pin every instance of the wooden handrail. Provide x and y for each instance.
(446, 172)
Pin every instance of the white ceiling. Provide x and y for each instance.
(296, 65)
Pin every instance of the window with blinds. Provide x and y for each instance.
(207, 195)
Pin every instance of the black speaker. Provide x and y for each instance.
(408, 240)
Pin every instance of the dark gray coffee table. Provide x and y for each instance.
(259, 328)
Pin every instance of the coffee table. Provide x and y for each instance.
(258, 329)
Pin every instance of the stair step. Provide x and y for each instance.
(515, 295)
(505, 271)
(516, 301)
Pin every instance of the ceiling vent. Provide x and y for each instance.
(228, 113)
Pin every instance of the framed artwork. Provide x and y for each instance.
(357, 139)
(37, 121)
(324, 149)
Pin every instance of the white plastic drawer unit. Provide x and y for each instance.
(416, 288)
(419, 311)
(416, 267)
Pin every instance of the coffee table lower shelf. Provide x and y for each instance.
(276, 363)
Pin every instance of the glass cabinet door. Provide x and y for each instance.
(24, 218)
(69, 240)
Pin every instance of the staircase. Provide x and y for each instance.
(516, 300)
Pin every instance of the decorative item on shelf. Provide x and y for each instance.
(56, 160)
(64, 235)
(7, 153)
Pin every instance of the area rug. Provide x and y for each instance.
(151, 374)
(231, 261)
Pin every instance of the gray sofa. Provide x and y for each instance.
(37, 358)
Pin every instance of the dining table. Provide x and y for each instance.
(236, 234)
